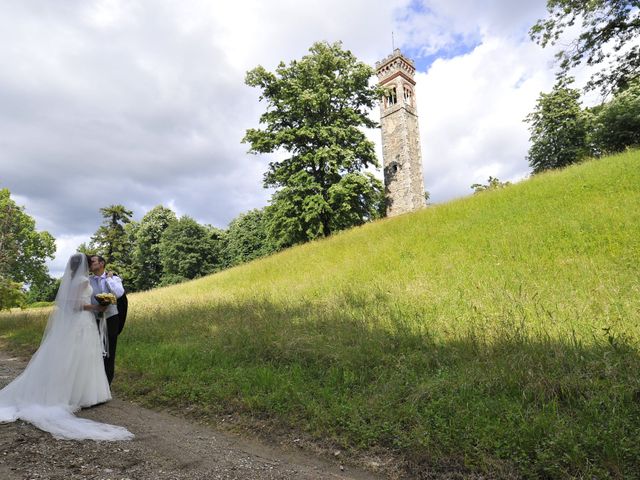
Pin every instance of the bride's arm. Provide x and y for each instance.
(84, 301)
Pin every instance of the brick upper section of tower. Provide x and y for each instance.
(394, 64)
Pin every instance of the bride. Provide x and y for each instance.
(67, 371)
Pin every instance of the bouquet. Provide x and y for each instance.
(105, 299)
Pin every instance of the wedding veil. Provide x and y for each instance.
(69, 297)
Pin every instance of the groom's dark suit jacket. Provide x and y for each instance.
(123, 306)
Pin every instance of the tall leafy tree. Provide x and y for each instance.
(113, 241)
(23, 250)
(609, 31)
(316, 107)
(188, 250)
(146, 262)
(559, 128)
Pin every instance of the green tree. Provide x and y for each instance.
(188, 250)
(247, 238)
(356, 198)
(617, 123)
(44, 290)
(558, 129)
(146, 262)
(23, 250)
(113, 240)
(493, 183)
(11, 294)
(609, 29)
(315, 110)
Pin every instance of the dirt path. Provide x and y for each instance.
(165, 447)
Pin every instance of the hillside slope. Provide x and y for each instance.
(496, 333)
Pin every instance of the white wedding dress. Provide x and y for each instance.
(67, 372)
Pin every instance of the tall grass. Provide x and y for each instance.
(497, 333)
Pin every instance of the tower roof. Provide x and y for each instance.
(394, 64)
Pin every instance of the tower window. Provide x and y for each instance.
(391, 97)
(408, 95)
(390, 172)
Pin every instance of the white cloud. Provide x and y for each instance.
(107, 13)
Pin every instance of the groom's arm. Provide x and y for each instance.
(114, 283)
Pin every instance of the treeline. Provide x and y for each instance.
(163, 249)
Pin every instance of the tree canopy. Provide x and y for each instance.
(609, 32)
(246, 238)
(316, 107)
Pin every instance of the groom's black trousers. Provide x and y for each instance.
(113, 329)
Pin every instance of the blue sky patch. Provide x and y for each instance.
(417, 45)
(423, 62)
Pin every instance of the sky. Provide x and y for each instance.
(143, 102)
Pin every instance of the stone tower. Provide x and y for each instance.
(401, 156)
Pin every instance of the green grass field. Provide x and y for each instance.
(497, 333)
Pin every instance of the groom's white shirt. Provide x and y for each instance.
(104, 284)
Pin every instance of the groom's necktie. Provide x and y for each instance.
(100, 283)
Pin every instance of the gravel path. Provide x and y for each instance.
(165, 448)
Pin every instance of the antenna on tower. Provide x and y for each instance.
(393, 43)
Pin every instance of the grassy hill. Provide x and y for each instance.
(498, 333)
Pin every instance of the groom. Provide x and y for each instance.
(102, 282)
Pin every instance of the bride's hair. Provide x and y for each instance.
(75, 261)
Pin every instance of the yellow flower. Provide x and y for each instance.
(106, 298)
